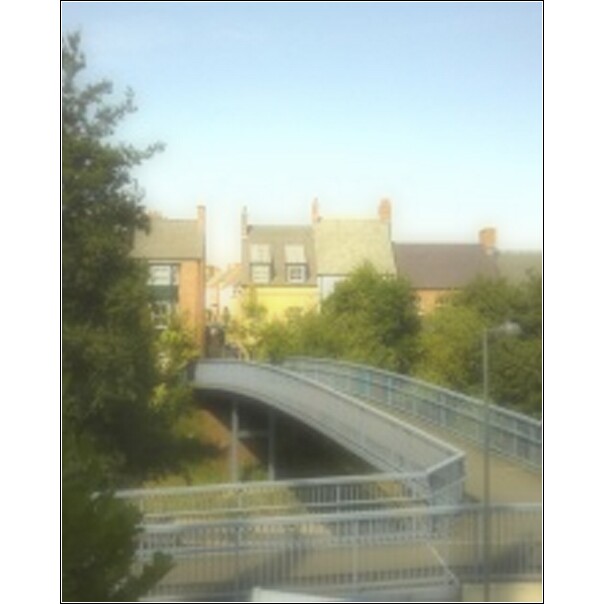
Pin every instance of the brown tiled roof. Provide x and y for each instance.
(442, 266)
(278, 238)
(170, 239)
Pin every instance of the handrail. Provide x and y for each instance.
(512, 434)
(345, 553)
(368, 432)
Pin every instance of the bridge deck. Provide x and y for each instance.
(510, 481)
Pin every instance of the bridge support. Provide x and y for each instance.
(234, 452)
(271, 444)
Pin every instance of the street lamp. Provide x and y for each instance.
(506, 329)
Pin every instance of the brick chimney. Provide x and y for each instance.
(201, 216)
(488, 239)
(244, 224)
(385, 210)
(314, 212)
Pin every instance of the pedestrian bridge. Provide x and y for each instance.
(416, 529)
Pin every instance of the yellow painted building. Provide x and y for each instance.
(283, 301)
(278, 264)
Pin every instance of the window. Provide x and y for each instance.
(163, 275)
(261, 273)
(260, 254)
(160, 312)
(163, 282)
(294, 254)
(296, 273)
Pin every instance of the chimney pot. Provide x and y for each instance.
(385, 210)
(488, 239)
(244, 224)
(314, 214)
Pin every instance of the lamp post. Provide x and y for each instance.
(506, 329)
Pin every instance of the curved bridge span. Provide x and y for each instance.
(412, 531)
(380, 438)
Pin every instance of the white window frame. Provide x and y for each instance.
(260, 273)
(163, 274)
(293, 268)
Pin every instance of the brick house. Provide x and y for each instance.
(174, 250)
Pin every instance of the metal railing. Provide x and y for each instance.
(513, 434)
(396, 550)
(386, 442)
(283, 497)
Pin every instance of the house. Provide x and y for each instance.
(278, 263)
(435, 270)
(342, 245)
(222, 289)
(175, 253)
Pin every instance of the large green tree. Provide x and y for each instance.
(109, 363)
(117, 419)
(376, 319)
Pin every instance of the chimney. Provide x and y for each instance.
(488, 239)
(201, 228)
(244, 224)
(314, 213)
(201, 216)
(385, 210)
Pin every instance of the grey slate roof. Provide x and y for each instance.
(170, 239)
(278, 239)
(343, 245)
(442, 266)
(516, 266)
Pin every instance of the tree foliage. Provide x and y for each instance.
(117, 422)
(99, 534)
(369, 318)
(109, 361)
(451, 342)
(449, 351)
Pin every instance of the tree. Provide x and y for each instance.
(109, 363)
(116, 428)
(99, 534)
(449, 348)
(376, 319)
(245, 330)
(369, 318)
(450, 342)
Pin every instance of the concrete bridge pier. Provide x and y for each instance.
(237, 434)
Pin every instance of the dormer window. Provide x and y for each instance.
(260, 263)
(261, 253)
(295, 264)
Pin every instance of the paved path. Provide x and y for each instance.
(510, 482)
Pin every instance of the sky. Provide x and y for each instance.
(437, 106)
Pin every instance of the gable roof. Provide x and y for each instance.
(275, 245)
(170, 239)
(442, 266)
(516, 266)
(343, 245)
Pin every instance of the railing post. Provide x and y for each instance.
(271, 444)
(355, 554)
(234, 453)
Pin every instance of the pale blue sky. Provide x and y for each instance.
(437, 106)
